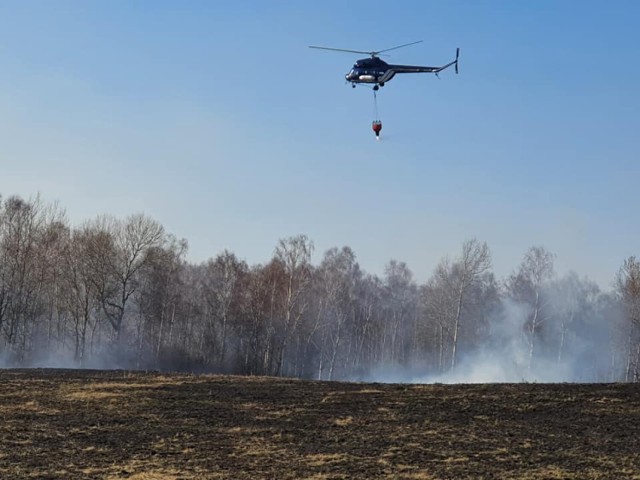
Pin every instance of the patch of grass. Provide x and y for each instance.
(343, 422)
(322, 459)
(31, 406)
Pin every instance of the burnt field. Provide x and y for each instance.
(114, 424)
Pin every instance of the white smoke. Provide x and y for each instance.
(506, 358)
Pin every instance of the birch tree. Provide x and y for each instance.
(527, 287)
(628, 288)
(221, 279)
(339, 273)
(294, 254)
(449, 293)
(400, 304)
(22, 223)
(160, 286)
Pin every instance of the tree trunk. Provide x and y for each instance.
(455, 329)
(627, 376)
(335, 343)
(532, 330)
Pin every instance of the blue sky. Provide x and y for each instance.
(217, 120)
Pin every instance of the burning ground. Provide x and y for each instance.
(116, 424)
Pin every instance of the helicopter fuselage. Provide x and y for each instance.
(376, 71)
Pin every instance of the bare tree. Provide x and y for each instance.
(79, 296)
(572, 303)
(436, 302)
(22, 226)
(294, 253)
(220, 283)
(400, 302)
(474, 261)
(448, 294)
(367, 330)
(118, 251)
(628, 287)
(262, 304)
(160, 285)
(527, 286)
(339, 273)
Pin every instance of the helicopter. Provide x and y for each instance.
(376, 71)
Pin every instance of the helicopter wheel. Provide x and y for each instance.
(376, 88)
(353, 85)
(381, 84)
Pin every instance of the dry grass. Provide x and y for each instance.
(417, 476)
(145, 476)
(91, 395)
(322, 459)
(343, 422)
(150, 474)
(258, 448)
(31, 406)
(100, 391)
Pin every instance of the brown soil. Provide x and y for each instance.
(145, 426)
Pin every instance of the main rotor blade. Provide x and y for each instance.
(399, 46)
(373, 54)
(341, 50)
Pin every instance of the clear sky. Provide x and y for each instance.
(216, 119)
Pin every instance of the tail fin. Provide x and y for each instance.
(455, 63)
(457, 55)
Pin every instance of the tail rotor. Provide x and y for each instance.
(457, 55)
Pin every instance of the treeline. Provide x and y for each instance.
(119, 293)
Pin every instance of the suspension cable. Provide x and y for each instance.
(375, 106)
